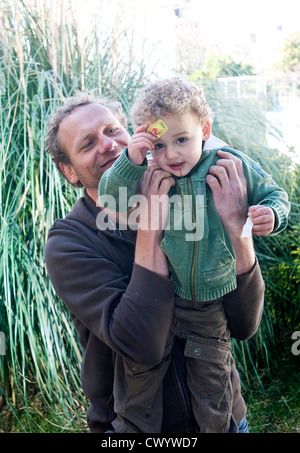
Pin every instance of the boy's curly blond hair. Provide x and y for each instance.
(169, 96)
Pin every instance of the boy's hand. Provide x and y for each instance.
(139, 144)
(263, 219)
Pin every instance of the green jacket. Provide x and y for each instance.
(200, 254)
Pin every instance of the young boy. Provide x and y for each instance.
(174, 122)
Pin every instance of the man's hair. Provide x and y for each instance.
(53, 145)
(169, 96)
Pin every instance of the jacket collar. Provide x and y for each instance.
(213, 143)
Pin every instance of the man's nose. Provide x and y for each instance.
(105, 144)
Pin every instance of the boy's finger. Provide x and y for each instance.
(258, 210)
(142, 135)
(261, 219)
(141, 128)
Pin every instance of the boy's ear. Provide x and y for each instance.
(69, 172)
(206, 130)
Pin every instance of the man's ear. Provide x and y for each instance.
(69, 172)
(206, 130)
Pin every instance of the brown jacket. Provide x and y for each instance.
(119, 306)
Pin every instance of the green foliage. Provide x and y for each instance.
(274, 406)
(219, 65)
(282, 285)
(41, 62)
(243, 125)
(291, 53)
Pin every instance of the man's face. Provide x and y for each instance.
(93, 139)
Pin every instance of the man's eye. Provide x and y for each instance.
(88, 145)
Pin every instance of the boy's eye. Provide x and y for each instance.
(158, 146)
(181, 140)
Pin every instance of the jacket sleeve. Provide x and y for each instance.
(262, 189)
(244, 306)
(119, 183)
(130, 312)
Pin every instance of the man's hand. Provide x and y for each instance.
(228, 184)
(263, 219)
(139, 144)
(155, 186)
(154, 212)
(229, 191)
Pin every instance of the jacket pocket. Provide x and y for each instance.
(212, 362)
(218, 263)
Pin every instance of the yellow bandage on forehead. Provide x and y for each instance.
(157, 129)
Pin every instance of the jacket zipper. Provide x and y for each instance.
(195, 242)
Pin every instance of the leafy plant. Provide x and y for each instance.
(41, 62)
(44, 58)
(243, 125)
(291, 52)
(221, 65)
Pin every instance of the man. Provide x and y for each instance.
(116, 282)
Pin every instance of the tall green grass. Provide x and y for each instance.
(242, 124)
(43, 60)
(41, 365)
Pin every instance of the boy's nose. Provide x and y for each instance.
(171, 153)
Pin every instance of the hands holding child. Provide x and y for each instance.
(229, 188)
(227, 182)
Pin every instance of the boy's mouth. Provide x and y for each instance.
(177, 166)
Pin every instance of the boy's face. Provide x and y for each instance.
(179, 149)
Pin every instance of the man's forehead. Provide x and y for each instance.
(83, 121)
(91, 113)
